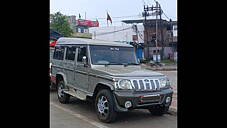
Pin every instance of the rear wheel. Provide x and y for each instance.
(53, 86)
(62, 97)
(158, 110)
(104, 106)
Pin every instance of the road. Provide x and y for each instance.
(81, 114)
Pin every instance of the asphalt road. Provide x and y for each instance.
(81, 114)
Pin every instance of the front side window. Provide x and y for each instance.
(70, 53)
(113, 55)
(59, 52)
(82, 51)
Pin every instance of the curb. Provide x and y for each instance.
(172, 111)
(164, 69)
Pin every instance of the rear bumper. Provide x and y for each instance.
(53, 79)
(143, 99)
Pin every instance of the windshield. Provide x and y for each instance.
(112, 55)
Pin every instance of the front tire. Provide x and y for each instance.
(62, 97)
(104, 106)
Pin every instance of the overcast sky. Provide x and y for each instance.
(125, 9)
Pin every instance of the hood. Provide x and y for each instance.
(128, 71)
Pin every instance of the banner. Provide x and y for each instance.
(88, 23)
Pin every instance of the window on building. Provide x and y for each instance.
(59, 52)
(79, 30)
(81, 52)
(70, 53)
(82, 30)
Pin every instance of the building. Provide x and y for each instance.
(166, 36)
(130, 34)
(81, 27)
(126, 33)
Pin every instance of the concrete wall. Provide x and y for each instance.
(167, 51)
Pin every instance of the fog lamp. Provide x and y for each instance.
(168, 99)
(128, 104)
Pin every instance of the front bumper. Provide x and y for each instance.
(142, 99)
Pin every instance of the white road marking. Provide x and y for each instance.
(99, 125)
(166, 71)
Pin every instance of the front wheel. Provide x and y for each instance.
(104, 106)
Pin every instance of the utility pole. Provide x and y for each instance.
(162, 38)
(157, 12)
(146, 32)
(156, 41)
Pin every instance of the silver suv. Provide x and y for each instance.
(109, 74)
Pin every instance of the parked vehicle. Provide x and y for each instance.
(52, 79)
(109, 74)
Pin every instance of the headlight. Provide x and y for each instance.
(125, 84)
(164, 82)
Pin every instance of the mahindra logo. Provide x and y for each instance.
(146, 80)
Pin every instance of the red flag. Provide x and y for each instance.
(108, 18)
(53, 43)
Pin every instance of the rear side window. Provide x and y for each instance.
(59, 53)
(70, 53)
(81, 52)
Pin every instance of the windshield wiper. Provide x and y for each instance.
(126, 64)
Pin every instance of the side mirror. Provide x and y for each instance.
(84, 60)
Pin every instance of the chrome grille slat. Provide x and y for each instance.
(146, 84)
(135, 83)
(153, 85)
(157, 84)
(141, 84)
(150, 85)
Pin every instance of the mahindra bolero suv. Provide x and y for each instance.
(109, 74)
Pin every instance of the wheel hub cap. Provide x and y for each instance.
(60, 91)
(102, 105)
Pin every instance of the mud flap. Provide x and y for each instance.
(118, 108)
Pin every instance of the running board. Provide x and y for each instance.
(76, 93)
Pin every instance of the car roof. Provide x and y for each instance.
(64, 40)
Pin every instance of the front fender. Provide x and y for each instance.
(107, 84)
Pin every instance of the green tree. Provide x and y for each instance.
(60, 23)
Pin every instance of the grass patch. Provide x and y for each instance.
(168, 62)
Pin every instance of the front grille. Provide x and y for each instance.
(146, 84)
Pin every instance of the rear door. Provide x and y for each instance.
(70, 63)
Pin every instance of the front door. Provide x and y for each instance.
(81, 71)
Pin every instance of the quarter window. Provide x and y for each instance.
(59, 53)
(81, 52)
(70, 53)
